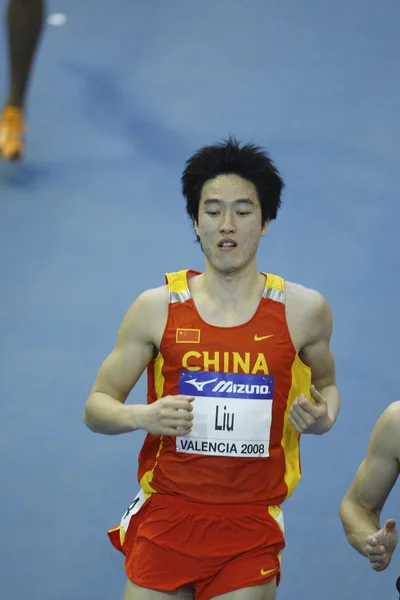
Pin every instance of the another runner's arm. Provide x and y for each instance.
(360, 509)
(105, 411)
(317, 353)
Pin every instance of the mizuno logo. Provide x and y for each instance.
(199, 385)
(228, 387)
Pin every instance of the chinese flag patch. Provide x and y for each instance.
(188, 336)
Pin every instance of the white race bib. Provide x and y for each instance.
(132, 509)
(232, 414)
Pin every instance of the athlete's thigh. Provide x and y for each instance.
(266, 591)
(135, 592)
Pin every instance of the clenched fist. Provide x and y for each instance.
(172, 415)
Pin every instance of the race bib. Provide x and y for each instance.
(231, 414)
(132, 509)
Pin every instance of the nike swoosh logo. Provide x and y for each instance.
(258, 338)
(266, 572)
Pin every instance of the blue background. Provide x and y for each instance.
(120, 97)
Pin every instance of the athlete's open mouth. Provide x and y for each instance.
(227, 243)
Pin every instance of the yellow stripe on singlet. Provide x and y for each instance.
(145, 482)
(277, 514)
(301, 384)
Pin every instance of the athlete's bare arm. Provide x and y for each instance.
(317, 354)
(360, 509)
(137, 344)
(310, 322)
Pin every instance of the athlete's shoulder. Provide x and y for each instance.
(388, 423)
(392, 411)
(308, 311)
(384, 440)
(308, 295)
(310, 301)
(151, 301)
(147, 314)
(152, 304)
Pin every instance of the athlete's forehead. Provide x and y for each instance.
(229, 188)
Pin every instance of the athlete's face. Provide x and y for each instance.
(229, 224)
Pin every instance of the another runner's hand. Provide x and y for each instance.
(172, 415)
(381, 545)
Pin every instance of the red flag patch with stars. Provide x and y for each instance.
(187, 336)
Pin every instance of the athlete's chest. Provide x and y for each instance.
(261, 346)
(240, 377)
(225, 316)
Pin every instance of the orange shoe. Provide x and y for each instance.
(12, 129)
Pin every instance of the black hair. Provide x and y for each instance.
(248, 161)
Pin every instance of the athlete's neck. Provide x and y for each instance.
(232, 288)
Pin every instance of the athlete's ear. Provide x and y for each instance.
(196, 228)
(264, 228)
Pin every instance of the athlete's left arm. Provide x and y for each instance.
(319, 415)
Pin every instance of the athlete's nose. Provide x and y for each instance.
(227, 223)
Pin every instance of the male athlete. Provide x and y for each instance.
(25, 19)
(238, 364)
(361, 508)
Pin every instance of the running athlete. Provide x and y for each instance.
(25, 19)
(238, 365)
(361, 508)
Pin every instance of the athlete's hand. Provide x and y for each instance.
(172, 415)
(381, 545)
(310, 416)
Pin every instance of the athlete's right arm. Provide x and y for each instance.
(138, 337)
(361, 507)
